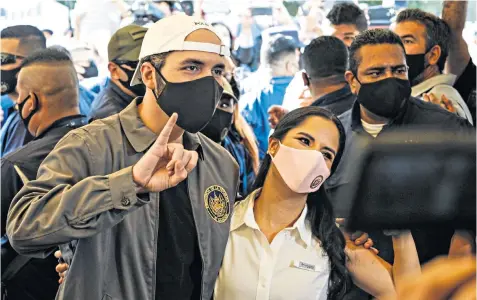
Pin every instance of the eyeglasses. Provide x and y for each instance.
(7, 58)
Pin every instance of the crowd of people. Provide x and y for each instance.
(178, 178)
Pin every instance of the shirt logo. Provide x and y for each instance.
(217, 203)
(316, 182)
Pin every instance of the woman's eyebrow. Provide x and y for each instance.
(307, 135)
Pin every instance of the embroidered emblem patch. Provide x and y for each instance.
(217, 203)
(316, 182)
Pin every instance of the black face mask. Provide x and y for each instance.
(138, 89)
(9, 81)
(27, 120)
(194, 101)
(386, 97)
(417, 65)
(219, 126)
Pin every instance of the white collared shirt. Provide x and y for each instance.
(443, 85)
(292, 267)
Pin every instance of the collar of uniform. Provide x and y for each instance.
(142, 137)
(425, 86)
(243, 215)
(333, 97)
(70, 121)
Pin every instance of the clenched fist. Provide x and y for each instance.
(165, 164)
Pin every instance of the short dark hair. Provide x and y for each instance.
(278, 46)
(31, 38)
(437, 30)
(49, 55)
(325, 56)
(371, 37)
(348, 13)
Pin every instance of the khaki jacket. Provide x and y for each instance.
(84, 200)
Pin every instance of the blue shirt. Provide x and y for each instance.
(255, 109)
(7, 107)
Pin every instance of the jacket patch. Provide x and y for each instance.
(217, 203)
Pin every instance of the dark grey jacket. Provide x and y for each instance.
(84, 198)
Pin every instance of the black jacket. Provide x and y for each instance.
(416, 114)
(338, 101)
(38, 279)
(111, 100)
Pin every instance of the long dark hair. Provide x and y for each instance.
(320, 212)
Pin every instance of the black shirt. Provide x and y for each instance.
(179, 263)
(338, 101)
(38, 279)
(465, 84)
(111, 100)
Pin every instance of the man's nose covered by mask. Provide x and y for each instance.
(194, 101)
(219, 126)
(386, 97)
(8, 81)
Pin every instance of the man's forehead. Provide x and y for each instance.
(185, 57)
(381, 54)
(204, 36)
(409, 27)
(10, 46)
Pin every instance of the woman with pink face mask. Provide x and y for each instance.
(284, 242)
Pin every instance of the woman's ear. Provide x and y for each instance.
(273, 146)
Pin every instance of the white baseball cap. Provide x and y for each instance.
(169, 34)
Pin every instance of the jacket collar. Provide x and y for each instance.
(425, 86)
(141, 137)
(243, 216)
(74, 121)
(333, 97)
(357, 126)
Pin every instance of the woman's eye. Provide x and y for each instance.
(327, 155)
(305, 141)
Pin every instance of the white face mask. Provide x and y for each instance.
(304, 171)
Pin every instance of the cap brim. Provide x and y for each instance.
(136, 79)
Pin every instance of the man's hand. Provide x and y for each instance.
(358, 238)
(61, 268)
(165, 164)
(305, 98)
(443, 278)
(275, 114)
(444, 102)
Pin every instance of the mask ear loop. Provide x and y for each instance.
(155, 90)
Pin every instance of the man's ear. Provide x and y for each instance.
(353, 83)
(273, 146)
(113, 70)
(306, 79)
(34, 103)
(434, 55)
(148, 75)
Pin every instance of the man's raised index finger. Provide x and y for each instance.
(163, 138)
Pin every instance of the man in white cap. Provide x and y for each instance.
(141, 199)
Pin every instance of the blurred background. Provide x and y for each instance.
(85, 26)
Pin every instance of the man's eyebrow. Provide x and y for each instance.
(219, 66)
(408, 36)
(192, 61)
(349, 33)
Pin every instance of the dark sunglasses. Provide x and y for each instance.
(7, 58)
(131, 64)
